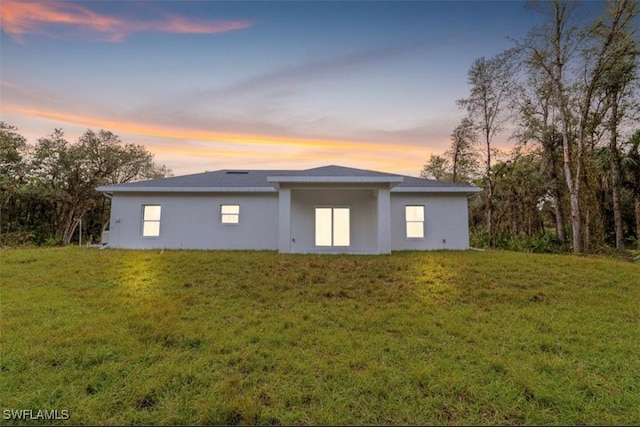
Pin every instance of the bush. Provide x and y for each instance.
(17, 238)
(636, 255)
(545, 242)
(478, 237)
(52, 241)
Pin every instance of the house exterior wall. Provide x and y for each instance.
(193, 221)
(363, 218)
(446, 222)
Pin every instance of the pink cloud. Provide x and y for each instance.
(19, 18)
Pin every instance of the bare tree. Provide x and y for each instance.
(492, 83)
(538, 125)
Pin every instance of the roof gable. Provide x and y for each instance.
(334, 170)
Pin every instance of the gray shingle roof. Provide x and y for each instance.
(217, 179)
(257, 180)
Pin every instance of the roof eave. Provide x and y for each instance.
(468, 190)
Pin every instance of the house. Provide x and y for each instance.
(330, 209)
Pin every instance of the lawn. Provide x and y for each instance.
(176, 337)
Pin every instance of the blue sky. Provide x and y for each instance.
(208, 85)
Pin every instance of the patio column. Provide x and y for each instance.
(384, 221)
(284, 220)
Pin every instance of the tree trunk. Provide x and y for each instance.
(489, 211)
(587, 229)
(0, 224)
(576, 228)
(454, 178)
(557, 210)
(572, 184)
(67, 229)
(555, 193)
(637, 199)
(66, 226)
(634, 155)
(614, 157)
(549, 145)
(617, 205)
(70, 231)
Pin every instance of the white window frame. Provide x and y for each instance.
(151, 225)
(333, 227)
(229, 214)
(411, 221)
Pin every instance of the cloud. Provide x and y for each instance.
(71, 20)
(165, 120)
(174, 132)
(328, 67)
(277, 101)
(202, 142)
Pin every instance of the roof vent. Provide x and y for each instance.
(237, 172)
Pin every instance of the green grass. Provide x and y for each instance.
(144, 337)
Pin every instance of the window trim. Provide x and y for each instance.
(151, 221)
(229, 215)
(332, 228)
(407, 222)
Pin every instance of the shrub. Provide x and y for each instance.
(52, 241)
(545, 242)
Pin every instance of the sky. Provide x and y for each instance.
(208, 85)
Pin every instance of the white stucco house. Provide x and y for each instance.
(330, 209)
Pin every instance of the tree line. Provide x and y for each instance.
(567, 96)
(48, 189)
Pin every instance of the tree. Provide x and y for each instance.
(520, 193)
(462, 153)
(13, 147)
(100, 159)
(557, 48)
(13, 171)
(551, 47)
(616, 90)
(492, 83)
(632, 166)
(575, 82)
(51, 185)
(436, 168)
(538, 126)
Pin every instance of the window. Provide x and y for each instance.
(150, 220)
(230, 214)
(332, 227)
(415, 221)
